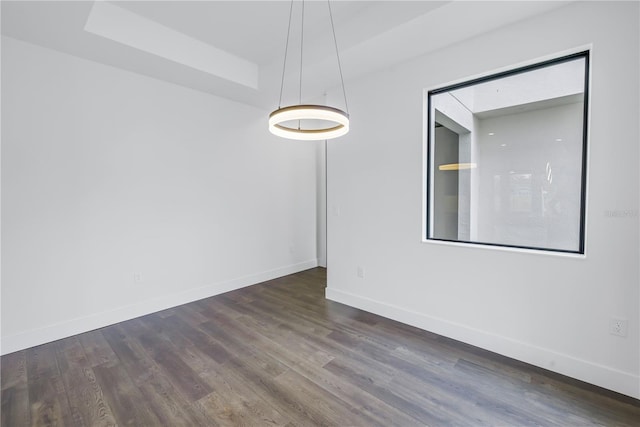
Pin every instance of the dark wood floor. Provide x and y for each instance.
(278, 353)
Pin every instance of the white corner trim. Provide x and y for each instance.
(31, 338)
(584, 370)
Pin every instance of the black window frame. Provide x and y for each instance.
(586, 54)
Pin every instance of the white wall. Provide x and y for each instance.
(549, 310)
(321, 204)
(106, 173)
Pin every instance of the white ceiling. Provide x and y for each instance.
(371, 35)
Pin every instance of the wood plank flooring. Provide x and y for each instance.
(279, 354)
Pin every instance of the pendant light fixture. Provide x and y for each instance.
(324, 122)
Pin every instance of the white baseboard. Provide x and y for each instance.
(79, 325)
(593, 373)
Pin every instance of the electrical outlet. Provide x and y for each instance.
(137, 277)
(618, 326)
(360, 272)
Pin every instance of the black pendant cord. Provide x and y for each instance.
(301, 50)
(335, 42)
(286, 50)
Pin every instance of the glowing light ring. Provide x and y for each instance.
(309, 112)
(457, 166)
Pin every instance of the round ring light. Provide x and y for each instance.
(339, 122)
